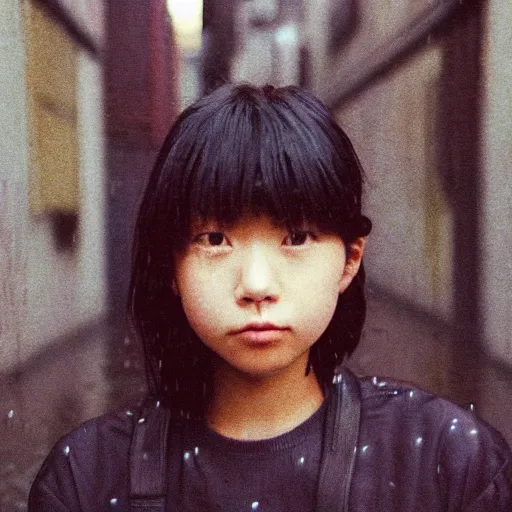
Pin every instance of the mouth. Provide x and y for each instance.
(260, 334)
(258, 327)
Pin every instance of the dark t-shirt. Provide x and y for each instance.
(273, 474)
(416, 452)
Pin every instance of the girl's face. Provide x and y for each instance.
(260, 296)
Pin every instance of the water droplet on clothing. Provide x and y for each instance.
(455, 420)
(10, 414)
(411, 394)
(439, 469)
(186, 455)
(419, 441)
(473, 432)
(196, 450)
(364, 449)
(129, 413)
(453, 427)
(301, 461)
(66, 450)
(375, 381)
(157, 404)
(472, 407)
(382, 384)
(113, 502)
(142, 420)
(255, 505)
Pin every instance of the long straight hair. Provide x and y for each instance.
(240, 150)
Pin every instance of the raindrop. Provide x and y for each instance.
(455, 420)
(418, 441)
(255, 505)
(157, 404)
(196, 450)
(364, 449)
(301, 461)
(453, 427)
(392, 484)
(411, 394)
(66, 450)
(186, 455)
(10, 414)
(439, 469)
(472, 407)
(113, 501)
(129, 413)
(382, 384)
(142, 420)
(473, 432)
(375, 381)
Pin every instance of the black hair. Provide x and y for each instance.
(241, 149)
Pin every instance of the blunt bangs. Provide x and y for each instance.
(252, 151)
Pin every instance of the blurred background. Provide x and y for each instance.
(88, 89)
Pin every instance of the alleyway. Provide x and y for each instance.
(102, 370)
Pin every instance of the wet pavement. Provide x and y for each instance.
(101, 369)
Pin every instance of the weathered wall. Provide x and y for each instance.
(46, 293)
(393, 128)
(496, 178)
(434, 134)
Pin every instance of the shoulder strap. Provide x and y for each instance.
(340, 444)
(148, 455)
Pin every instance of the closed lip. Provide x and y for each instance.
(259, 326)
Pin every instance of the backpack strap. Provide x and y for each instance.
(340, 443)
(148, 461)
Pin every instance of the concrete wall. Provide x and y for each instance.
(496, 174)
(46, 294)
(393, 128)
(13, 184)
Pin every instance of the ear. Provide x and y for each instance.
(354, 256)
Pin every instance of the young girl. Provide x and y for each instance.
(247, 293)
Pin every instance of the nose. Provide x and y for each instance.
(257, 279)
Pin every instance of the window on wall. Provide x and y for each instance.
(51, 74)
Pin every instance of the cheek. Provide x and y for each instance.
(200, 301)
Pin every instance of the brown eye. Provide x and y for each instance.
(215, 238)
(299, 238)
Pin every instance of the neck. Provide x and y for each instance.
(252, 408)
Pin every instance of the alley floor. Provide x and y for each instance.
(101, 369)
